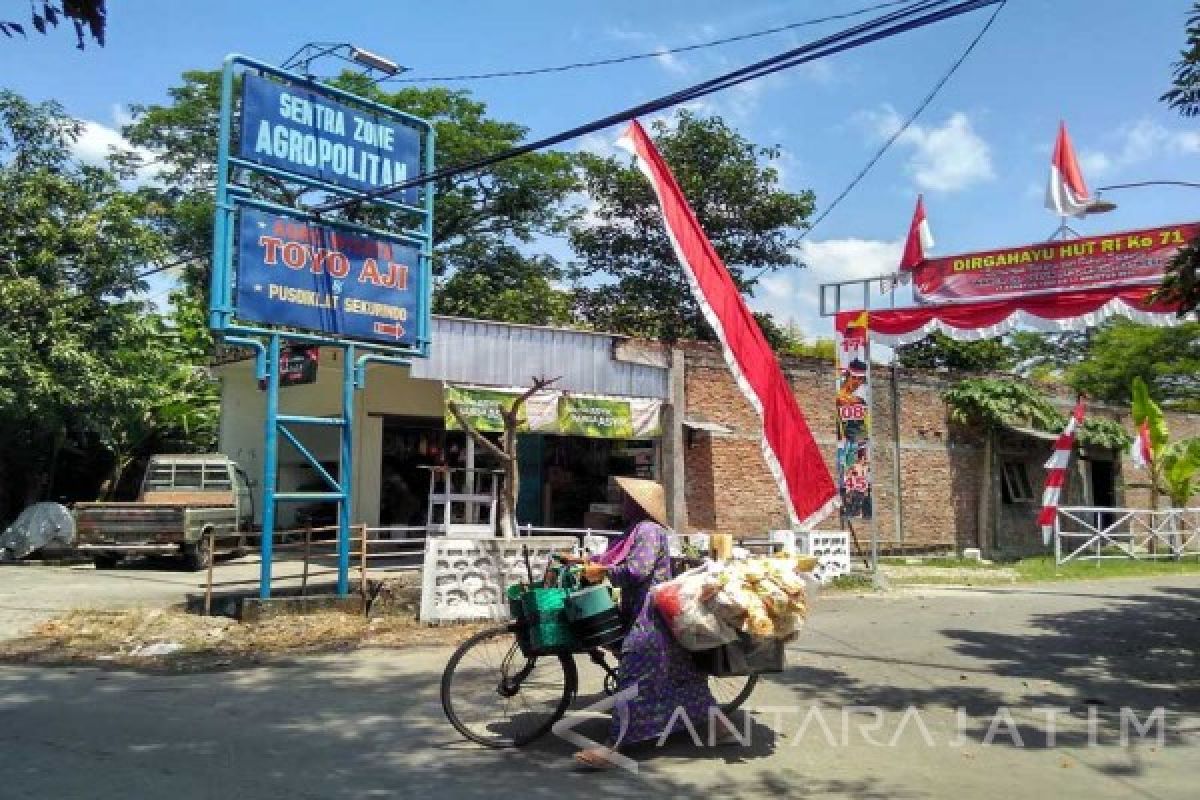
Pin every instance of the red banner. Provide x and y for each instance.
(1116, 259)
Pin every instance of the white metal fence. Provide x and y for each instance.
(1085, 533)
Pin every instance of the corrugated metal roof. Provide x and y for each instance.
(500, 354)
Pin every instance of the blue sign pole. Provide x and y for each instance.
(270, 468)
(347, 472)
(328, 282)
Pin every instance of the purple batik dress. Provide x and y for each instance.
(664, 673)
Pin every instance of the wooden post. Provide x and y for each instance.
(208, 587)
(362, 564)
(307, 544)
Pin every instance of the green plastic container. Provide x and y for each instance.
(543, 600)
(514, 593)
(550, 633)
(594, 601)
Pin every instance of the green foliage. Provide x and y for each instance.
(1103, 432)
(89, 18)
(479, 222)
(509, 287)
(87, 377)
(1181, 471)
(1181, 283)
(1184, 94)
(631, 279)
(1167, 359)
(1145, 410)
(995, 402)
(939, 351)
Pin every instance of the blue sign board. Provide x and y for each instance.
(327, 279)
(292, 128)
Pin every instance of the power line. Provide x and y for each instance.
(884, 27)
(603, 62)
(891, 140)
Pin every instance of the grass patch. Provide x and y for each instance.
(1043, 568)
(947, 562)
(852, 582)
(122, 638)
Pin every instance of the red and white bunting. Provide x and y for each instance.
(1056, 472)
(1140, 451)
(1066, 194)
(788, 446)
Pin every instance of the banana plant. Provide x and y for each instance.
(1181, 471)
(1174, 468)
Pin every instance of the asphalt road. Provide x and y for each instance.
(953, 663)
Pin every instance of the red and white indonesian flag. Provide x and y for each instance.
(920, 239)
(788, 446)
(1140, 450)
(1056, 472)
(1066, 194)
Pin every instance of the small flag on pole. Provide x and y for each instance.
(920, 239)
(1140, 451)
(1066, 194)
(1056, 472)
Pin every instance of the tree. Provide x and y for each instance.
(508, 286)
(939, 351)
(1173, 466)
(1167, 359)
(631, 280)
(89, 18)
(479, 219)
(83, 367)
(506, 452)
(1180, 283)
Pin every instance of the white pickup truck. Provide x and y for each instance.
(183, 499)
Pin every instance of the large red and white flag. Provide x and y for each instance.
(1140, 450)
(1056, 472)
(1066, 194)
(788, 446)
(920, 239)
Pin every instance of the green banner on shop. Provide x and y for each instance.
(595, 417)
(550, 412)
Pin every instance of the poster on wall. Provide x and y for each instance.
(482, 408)
(853, 403)
(1116, 259)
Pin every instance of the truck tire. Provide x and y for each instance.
(199, 555)
(106, 560)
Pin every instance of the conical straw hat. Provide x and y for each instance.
(647, 494)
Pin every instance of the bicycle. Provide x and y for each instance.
(543, 686)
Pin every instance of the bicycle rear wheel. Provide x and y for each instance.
(730, 692)
(495, 696)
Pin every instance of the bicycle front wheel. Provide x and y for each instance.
(495, 696)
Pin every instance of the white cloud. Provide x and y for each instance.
(1137, 143)
(97, 141)
(794, 296)
(944, 158)
(669, 62)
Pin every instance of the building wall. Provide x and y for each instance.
(729, 489)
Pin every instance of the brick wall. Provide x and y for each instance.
(729, 489)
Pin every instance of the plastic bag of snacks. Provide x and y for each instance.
(686, 604)
(763, 597)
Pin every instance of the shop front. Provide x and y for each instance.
(602, 418)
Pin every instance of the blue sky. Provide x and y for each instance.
(979, 153)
